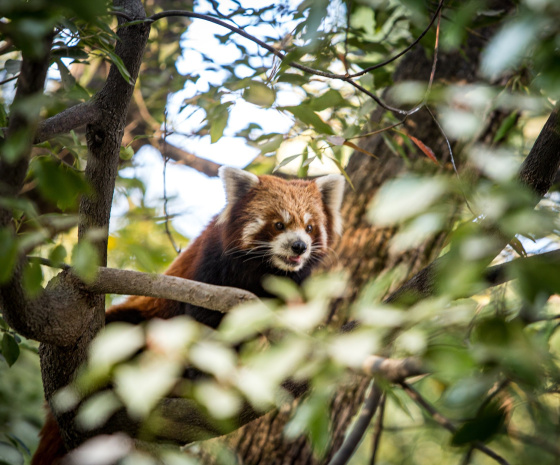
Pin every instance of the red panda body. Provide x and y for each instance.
(269, 227)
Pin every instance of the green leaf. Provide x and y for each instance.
(116, 60)
(292, 78)
(32, 278)
(8, 253)
(58, 254)
(506, 126)
(218, 125)
(285, 161)
(66, 77)
(10, 349)
(58, 182)
(306, 115)
(85, 260)
(259, 94)
(487, 424)
(329, 99)
(126, 153)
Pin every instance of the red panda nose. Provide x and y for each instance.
(299, 247)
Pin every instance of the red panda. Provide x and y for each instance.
(269, 226)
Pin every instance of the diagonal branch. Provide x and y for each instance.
(446, 423)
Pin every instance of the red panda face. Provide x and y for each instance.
(290, 223)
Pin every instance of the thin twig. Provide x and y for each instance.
(9, 79)
(446, 423)
(378, 430)
(468, 456)
(348, 14)
(400, 54)
(353, 439)
(535, 441)
(165, 199)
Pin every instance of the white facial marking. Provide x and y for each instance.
(251, 230)
(306, 218)
(283, 257)
(286, 216)
(323, 235)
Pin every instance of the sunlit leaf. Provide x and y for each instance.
(259, 94)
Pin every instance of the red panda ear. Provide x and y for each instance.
(332, 190)
(236, 184)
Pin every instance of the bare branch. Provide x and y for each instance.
(219, 298)
(351, 442)
(65, 121)
(378, 430)
(536, 441)
(439, 418)
(393, 370)
(400, 54)
(207, 167)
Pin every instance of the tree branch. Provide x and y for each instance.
(65, 121)
(353, 439)
(439, 418)
(219, 298)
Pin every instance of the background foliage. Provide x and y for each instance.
(493, 353)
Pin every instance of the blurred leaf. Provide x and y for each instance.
(507, 48)
(12, 66)
(10, 349)
(58, 254)
(85, 260)
(58, 182)
(306, 115)
(506, 126)
(126, 153)
(518, 247)
(259, 94)
(8, 253)
(218, 125)
(329, 99)
(486, 424)
(32, 278)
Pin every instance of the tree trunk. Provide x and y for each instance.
(364, 252)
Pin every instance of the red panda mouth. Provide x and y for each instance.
(295, 260)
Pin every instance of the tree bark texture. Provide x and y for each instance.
(364, 252)
(59, 364)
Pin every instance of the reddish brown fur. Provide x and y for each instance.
(206, 258)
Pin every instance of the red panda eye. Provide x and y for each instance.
(279, 226)
(309, 228)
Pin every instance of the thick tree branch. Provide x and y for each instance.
(65, 121)
(219, 298)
